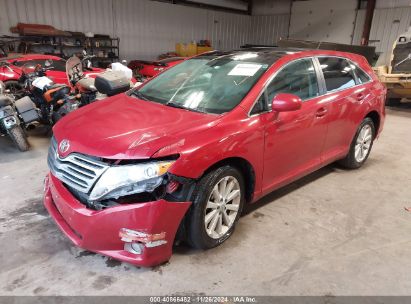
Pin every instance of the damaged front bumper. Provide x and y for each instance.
(140, 234)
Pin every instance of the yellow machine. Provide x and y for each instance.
(394, 69)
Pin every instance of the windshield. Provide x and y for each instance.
(208, 84)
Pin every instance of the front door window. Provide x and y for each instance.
(298, 78)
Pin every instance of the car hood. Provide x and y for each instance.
(124, 127)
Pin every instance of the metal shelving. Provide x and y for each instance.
(106, 49)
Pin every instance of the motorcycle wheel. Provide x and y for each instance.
(19, 138)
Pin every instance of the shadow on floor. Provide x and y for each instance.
(277, 194)
(402, 108)
(185, 249)
(9, 152)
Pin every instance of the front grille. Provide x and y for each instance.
(77, 171)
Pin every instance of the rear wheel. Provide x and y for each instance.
(361, 145)
(19, 138)
(217, 205)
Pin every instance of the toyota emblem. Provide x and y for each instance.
(64, 146)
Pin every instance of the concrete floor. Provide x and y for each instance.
(334, 232)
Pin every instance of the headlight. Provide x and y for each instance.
(129, 179)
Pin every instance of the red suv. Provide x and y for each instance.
(179, 157)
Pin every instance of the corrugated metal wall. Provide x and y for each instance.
(145, 28)
(72, 15)
(271, 7)
(149, 27)
(323, 20)
(392, 3)
(359, 26)
(268, 29)
(387, 24)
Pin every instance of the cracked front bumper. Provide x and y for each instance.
(98, 231)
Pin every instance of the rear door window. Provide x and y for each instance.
(338, 73)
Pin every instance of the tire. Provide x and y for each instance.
(197, 234)
(16, 89)
(392, 102)
(356, 157)
(19, 138)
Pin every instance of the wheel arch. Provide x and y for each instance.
(246, 169)
(375, 117)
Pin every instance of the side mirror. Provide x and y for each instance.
(284, 102)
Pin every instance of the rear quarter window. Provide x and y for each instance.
(362, 76)
(338, 73)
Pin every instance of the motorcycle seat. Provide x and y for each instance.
(87, 84)
(5, 101)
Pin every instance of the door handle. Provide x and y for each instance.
(321, 112)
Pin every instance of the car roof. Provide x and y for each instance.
(269, 55)
(262, 55)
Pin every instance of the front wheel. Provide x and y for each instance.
(361, 145)
(19, 138)
(217, 205)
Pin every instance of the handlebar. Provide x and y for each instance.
(86, 57)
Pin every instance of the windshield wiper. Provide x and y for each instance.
(175, 105)
(138, 94)
(179, 106)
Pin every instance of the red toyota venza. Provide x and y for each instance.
(178, 157)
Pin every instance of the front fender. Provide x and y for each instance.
(242, 139)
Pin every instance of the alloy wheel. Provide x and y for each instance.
(222, 207)
(363, 143)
